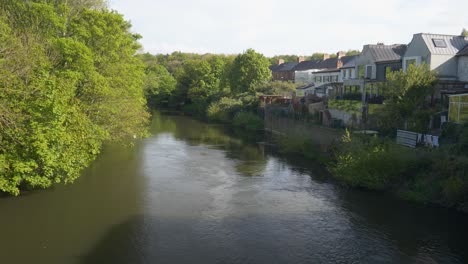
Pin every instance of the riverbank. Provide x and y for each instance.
(428, 176)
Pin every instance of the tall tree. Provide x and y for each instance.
(248, 69)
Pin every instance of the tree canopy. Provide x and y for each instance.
(248, 69)
(69, 81)
(408, 97)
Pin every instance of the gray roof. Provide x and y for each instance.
(322, 64)
(350, 62)
(464, 51)
(288, 66)
(383, 53)
(454, 43)
(307, 65)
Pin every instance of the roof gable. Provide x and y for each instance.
(453, 44)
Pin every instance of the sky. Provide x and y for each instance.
(274, 27)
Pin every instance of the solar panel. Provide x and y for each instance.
(439, 43)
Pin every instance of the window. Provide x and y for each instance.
(369, 72)
(361, 71)
(439, 43)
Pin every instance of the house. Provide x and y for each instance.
(445, 54)
(284, 71)
(463, 65)
(371, 68)
(323, 77)
(305, 90)
(329, 82)
(303, 71)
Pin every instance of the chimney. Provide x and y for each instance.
(339, 63)
(300, 59)
(326, 56)
(340, 54)
(280, 61)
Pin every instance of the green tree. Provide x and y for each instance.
(352, 52)
(64, 89)
(286, 58)
(248, 69)
(464, 32)
(159, 85)
(408, 97)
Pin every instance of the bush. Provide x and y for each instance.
(370, 163)
(248, 120)
(223, 110)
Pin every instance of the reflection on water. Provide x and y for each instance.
(192, 193)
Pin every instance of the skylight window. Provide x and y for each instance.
(439, 43)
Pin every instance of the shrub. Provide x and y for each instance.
(223, 110)
(370, 163)
(248, 120)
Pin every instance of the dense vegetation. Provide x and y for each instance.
(69, 81)
(217, 88)
(424, 175)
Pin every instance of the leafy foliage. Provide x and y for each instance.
(464, 32)
(408, 99)
(249, 69)
(65, 89)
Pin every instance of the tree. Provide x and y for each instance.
(248, 69)
(317, 56)
(68, 82)
(408, 98)
(464, 32)
(286, 58)
(159, 85)
(352, 52)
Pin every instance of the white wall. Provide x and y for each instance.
(463, 68)
(330, 74)
(445, 65)
(304, 76)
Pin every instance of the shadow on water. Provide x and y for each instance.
(122, 244)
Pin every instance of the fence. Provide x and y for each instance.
(412, 139)
(407, 138)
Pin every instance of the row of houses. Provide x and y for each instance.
(363, 75)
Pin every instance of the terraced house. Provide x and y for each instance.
(445, 54)
(369, 71)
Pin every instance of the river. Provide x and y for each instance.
(194, 193)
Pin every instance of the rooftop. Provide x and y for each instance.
(444, 44)
(382, 52)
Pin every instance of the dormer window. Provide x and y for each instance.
(439, 43)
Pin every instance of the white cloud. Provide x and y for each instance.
(286, 27)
